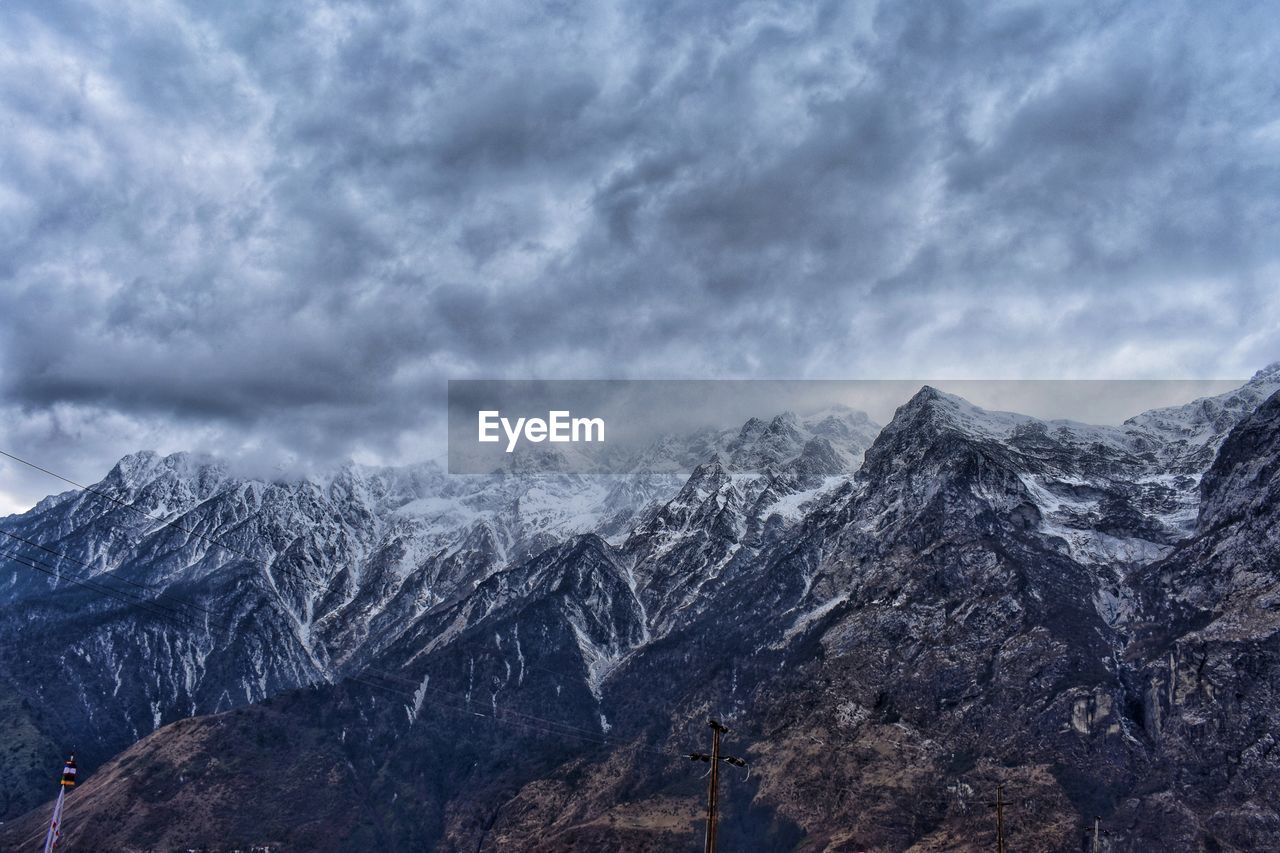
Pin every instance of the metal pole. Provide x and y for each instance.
(713, 787)
(1000, 848)
(713, 794)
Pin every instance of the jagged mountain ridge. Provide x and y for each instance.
(943, 510)
(964, 646)
(271, 585)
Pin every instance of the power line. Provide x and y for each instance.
(419, 685)
(122, 503)
(221, 622)
(269, 566)
(519, 718)
(52, 571)
(258, 561)
(530, 722)
(566, 729)
(114, 577)
(554, 728)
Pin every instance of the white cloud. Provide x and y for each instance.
(284, 226)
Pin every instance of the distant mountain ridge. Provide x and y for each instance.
(307, 579)
(986, 597)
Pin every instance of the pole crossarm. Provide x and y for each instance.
(713, 791)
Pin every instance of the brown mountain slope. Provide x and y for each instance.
(185, 785)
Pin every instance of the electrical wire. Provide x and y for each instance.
(552, 727)
(502, 715)
(284, 570)
(52, 571)
(129, 581)
(306, 580)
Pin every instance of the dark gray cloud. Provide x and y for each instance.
(277, 229)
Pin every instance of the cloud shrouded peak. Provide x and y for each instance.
(279, 228)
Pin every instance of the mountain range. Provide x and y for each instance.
(891, 621)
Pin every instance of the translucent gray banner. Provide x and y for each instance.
(639, 426)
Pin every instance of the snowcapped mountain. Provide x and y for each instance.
(263, 586)
(882, 616)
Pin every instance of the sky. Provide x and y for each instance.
(274, 231)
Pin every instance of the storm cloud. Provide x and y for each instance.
(274, 230)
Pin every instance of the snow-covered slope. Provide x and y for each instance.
(478, 582)
(1113, 494)
(258, 586)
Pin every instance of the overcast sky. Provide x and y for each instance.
(276, 229)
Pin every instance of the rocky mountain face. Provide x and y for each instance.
(1204, 662)
(174, 588)
(1082, 614)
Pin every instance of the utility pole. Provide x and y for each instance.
(713, 793)
(713, 790)
(1000, 848)
(1097, 835)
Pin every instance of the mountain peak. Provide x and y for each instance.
(926, 397)
(139, 460)
(930, 406)
(1268, 374)
(929, 397)
(140, 467)
(713, 468)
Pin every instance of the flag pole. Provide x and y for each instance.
(55, 823)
